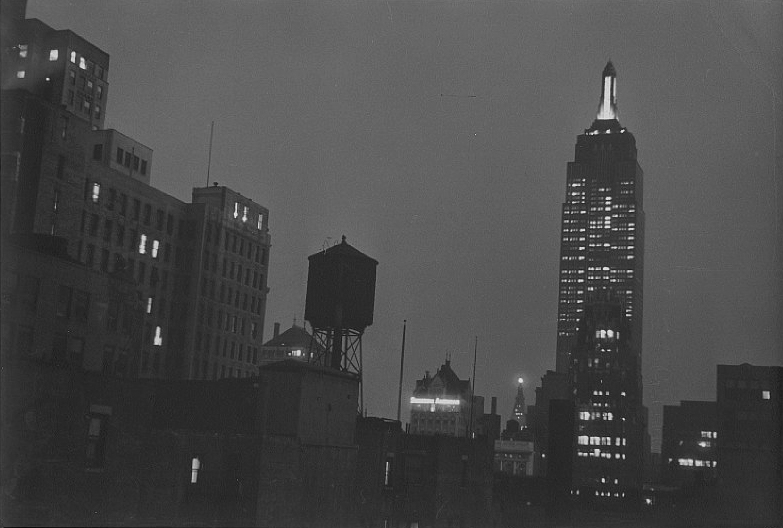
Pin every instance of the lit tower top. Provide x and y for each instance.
(606, 120)
(607, 109)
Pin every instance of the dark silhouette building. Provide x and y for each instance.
(750, 442)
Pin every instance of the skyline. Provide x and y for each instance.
(350, 94)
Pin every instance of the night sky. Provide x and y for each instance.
(355, 118)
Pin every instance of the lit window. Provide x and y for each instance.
(765, 395)
(155, 247)
(82, 63)
(73, 57)
(54, 54)
(244, 214)
(584, 440)
(22, 51)
(195, 466)
(387, 472)
(236, 209)
(20, 74)
(142, 244)
(296, 353)
(149, 304)
(260, 221)
(96, 192)
(158, 341)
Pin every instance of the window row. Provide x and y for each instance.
(120, 201)
(228, 348)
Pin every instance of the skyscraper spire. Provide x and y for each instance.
(607, 108)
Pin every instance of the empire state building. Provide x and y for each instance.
(602, 238)
(599, 337)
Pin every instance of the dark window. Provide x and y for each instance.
(97, 152)
(108, 359)
(27, 292)
(63, 127)
(24, 341)
(147, 214)
(90, 255)
(144, 166)
(112, 199)
(120, 155)
(160, 217)
(96, 440)
(169, 224)
(135, 163)
(63, 303)
(136, 208)
(123, 204)
(142, 272)
(107, 228)
(127, 159)
(94, 224)
(60, 167)
(120, 234)
(132, 243)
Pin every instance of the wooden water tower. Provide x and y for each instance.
(339, 305)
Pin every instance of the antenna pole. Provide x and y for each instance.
(473, 389)
(402, 362)
(209, 159)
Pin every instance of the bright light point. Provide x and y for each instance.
(702, 444)
(519, 380)
(610, 333)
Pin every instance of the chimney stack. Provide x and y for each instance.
(494, 404)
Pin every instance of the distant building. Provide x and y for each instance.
(554, 386)
(514, 451)
(520, 409)
(444, 404)
(689, 447)
(750, 441)
(295, 343)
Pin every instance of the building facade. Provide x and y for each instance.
(599, 333)
(198, 268)
(750, 442)
(602, 237)
(443, 404)
(295, 343)
(689, 445)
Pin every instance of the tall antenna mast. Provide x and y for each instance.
(402, 362)
(473, 390)
(209, 160)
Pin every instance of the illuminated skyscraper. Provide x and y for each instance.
(600, 306)
(602, 239)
